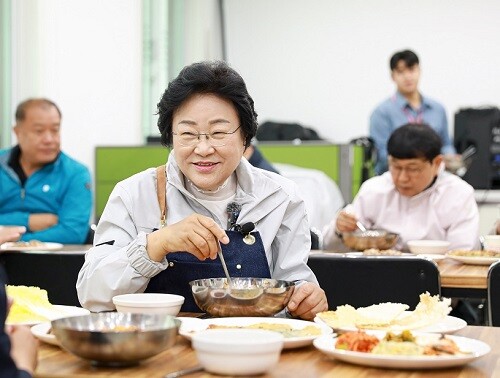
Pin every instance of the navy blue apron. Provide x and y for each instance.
(242, 260)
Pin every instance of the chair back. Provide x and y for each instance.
(55, 272)
(363, 280)
(494, 294)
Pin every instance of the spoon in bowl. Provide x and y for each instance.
(361, 226)
(224, 266)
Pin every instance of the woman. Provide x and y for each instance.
(208, 117)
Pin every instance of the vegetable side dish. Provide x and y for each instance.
(404, 343)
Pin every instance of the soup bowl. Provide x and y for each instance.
(242, 296)
(114, 338)
(361, 240)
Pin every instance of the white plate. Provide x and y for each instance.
(64, 311)
(41, 332)
(192, 325)
(13, 246)
(474, 260)
(448, 325)
(326, 344)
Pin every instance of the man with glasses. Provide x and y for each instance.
(416, 198)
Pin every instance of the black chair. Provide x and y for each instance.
(315, 239)
(494, 294)
(55, 272)
(362, 281)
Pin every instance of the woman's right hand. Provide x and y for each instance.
(197, 234)
(346, 222)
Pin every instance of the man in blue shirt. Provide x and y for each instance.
(407, 105)
(41, 187)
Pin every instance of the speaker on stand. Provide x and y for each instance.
(479, 129)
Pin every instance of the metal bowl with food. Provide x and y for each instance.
(114, 338)
(361, 240)
(242, 296)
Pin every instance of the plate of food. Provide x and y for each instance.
(42, 331)
(42, 316)
(406, 350)
(297, 333)
(32, 245)
(474, 257)
(30, 306)
(430, 315)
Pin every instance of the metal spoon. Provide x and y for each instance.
(360, 226)
(224, 266)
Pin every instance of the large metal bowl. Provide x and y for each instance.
(245, 296)
(361, 240)
(116, 339)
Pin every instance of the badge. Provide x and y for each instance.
(249, 239)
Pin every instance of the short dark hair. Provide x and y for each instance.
(31, 102)
(207, 77)
(414, 140)
(407, 56)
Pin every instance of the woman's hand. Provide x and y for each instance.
(196, 234)
(24, 347)
(307, 300)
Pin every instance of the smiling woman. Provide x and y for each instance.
(163, 228)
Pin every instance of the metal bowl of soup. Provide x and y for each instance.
(242, 296)
(114, 338)
(361, 240)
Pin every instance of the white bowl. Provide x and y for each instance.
(492, 242)
(428, 246)
(149, 303)
(237, 351)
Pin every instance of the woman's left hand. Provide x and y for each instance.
(307, 300)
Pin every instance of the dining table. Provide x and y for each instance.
(463, 280)
(306, 362)
(458, 280)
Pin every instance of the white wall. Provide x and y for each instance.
(324, 63)
(85, 56)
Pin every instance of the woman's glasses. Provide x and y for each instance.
(215, 139)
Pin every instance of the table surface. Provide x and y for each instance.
(454, 274)
(457, 275)
(304, 362)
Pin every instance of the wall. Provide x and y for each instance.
(85, 56)
(324, 63)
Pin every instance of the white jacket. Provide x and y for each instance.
(268, 200)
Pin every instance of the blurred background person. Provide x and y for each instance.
(255, 157)
(407, 105)
(41, 187)
(416, 199)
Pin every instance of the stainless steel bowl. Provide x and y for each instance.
(246, 296)
(116, 339)
(361, 240)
